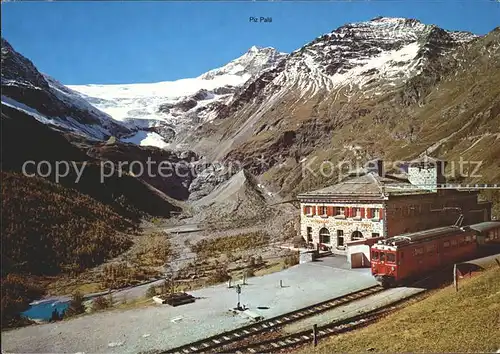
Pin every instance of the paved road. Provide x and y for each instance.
(163, 327)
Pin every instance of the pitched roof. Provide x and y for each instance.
(485, 226)
(368, 185)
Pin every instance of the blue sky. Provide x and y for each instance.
(128, 42)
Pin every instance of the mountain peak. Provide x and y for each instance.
(254, 61)
(258, 49)
(385, 19)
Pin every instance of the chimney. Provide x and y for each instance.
(426, 172)
(375, 166)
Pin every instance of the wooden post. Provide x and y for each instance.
(315, 335)
(229, 283)
(498, 262)
(455, 277)
(281, 283)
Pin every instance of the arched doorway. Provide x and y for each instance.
(324, 236)
(356, 235)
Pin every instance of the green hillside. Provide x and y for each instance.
(446, 322)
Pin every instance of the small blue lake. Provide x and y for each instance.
(43, 310)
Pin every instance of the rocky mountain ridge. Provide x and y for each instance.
(365, 90)
(44, 98)
(169, 110)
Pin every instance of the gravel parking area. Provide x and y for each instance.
(164, 327)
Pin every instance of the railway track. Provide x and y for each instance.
(282, 342)
(266, 325)
(306, 336)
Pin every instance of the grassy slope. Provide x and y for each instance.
(47, 227)
(467, 321)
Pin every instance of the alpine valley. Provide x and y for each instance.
(390, 88)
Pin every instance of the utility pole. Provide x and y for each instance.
(238, 291)
(455, 277)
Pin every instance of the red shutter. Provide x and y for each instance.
(329, 211)
(305, 210)
(349, 212)
(368, 213)
(381, 213)
(362, 213)
(314, 210)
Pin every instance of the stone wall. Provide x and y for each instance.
(401, 214)
(348, 225)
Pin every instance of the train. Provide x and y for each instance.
(397, 259)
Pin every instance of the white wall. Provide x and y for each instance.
(316, 222)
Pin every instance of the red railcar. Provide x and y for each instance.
(488, 233)
(411, 255)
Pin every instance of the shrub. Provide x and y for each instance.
(219, 276)
(292, 259)
(151, 291)
(17, 293)
(76, 305)
(101, 303)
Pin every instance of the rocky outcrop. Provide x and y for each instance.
(26, 89)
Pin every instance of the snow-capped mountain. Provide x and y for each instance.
(253, 62)
(42, 97)
(162, 111)
(375, 54)
(331, 81)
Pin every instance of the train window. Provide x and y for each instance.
(431, 248)
(375, 255)
(446, 244)
(391, 257)
(453, 243)
(382, 256)
(419, 251)
(468, 239)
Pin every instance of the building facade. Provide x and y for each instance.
(375, 205)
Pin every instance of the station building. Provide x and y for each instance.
(349, 216)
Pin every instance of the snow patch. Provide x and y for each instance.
(144, 138)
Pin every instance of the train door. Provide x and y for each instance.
(374, 260)
(382, 267)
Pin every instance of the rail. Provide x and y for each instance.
(236, 335)
(306, 336)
